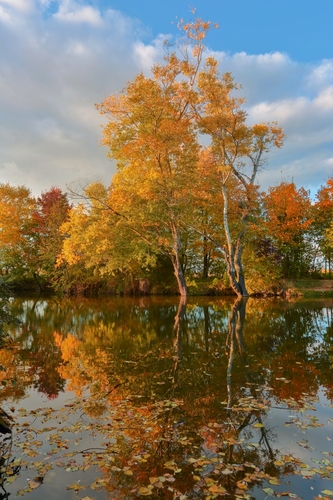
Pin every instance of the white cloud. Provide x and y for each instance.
(281, 110)
(324, 100)
(21, 5)
(321, 76)
(77, 48)
(4, 15)
(13, 11)
(70, 11)
(147, 55)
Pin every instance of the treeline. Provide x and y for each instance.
(184, 204)
(49, 243)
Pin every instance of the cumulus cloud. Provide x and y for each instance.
(70, 11)
(300, 98)
(57, 65)
(63, 56)
(21, 5)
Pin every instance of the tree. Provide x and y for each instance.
(289, 218)
(323, 214)
(154, 132)
(17, 248)
(30, 240)
(235, 156)
(50, 213)
(152, 137)
(99, 247)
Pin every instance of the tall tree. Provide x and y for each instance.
(151, 135)
(323, 214)
(235, 155)
(289, 218)
(154, 133)
(51, 212)
(17, 249)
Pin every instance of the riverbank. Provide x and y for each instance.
(309, 288)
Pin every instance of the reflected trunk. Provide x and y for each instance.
(178, 329)
(235, 333)
(235, 338)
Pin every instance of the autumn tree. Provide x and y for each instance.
(152, 137)
(288, 221)
(154, 132)
(99, 247)
(51, 212)
(323, 215)
(235, 156)
(17, 249)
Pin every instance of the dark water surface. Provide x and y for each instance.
(125, 398)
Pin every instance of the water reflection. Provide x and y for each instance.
(181, 395)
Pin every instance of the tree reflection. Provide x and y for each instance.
(179, 394)
(168, 441)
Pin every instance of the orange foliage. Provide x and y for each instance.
(288, 212)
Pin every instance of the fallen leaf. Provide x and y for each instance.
(35, 483)
(145, 491)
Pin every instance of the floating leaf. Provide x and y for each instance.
(153, 480)
(35, 483)
(145, 491)
(274, 481)
(75, 487)
(217, 489)
(10, 479)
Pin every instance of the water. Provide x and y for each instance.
(123, 398)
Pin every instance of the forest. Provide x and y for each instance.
(184, 213)
(49, 243)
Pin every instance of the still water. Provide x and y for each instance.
(125, 398)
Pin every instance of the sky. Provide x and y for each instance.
(60, 57)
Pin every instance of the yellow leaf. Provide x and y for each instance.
(242, 486)
(217, 489)
(11, 479)
(76, 487)
(153, 480)
(145, 491)
(35, 483)
(274, 481)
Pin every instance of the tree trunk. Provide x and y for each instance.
(176, 262)
(239, 266)
(177, 342)
(229, 253)
(178, 272)
(205, 258)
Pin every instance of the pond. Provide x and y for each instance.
(121, 398)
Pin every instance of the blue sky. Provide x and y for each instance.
(59, 57)
(301, 28)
